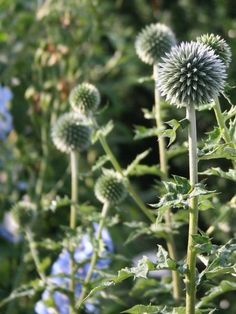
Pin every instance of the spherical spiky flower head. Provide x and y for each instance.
(24, 212)
(219, 45)
(84, 98)
(191, 74)
(71, 132)
(153, 42)
(110, 188)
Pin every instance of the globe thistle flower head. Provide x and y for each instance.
(219, 45)
(84, 98)
(191, 74)
(153, 42)
(71, 132)
(110, 188)
(24, 213)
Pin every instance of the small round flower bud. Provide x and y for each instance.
(191, 74)
(84, 98)
(153, 42)
(110, 188)
(219, 45)
(71, 132)
(24, 213)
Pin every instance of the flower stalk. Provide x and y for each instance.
(164, 169)
(193, 212)
(118, 168)
(95, 255)
(73, 216)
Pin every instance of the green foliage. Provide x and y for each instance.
(47, 48)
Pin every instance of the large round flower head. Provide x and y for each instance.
(153, 42)
(191, 74)
(219, 45)
(24, 213)
(110, 188)
(71, 132)
(84, 97)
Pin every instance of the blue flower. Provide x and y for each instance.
(61, 271)
(9, 229)
(5, 116)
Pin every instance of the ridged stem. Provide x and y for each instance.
(34, 253)
(94, 256)
(164, 169)
(193, 213)
(118, 168)
(73, 218)
(223, 128)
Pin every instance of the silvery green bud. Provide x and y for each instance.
(71, 132)
(191, 74)
(153, 42)
(24, 213)
(110, 188)
(84, 98)
(219, 45)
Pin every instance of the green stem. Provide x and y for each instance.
(43, 165)
(164, 168)
(34, 253)
(73, 218)
(17, 280)
(94, 256)
(118, 168)
(223, 128)
(193, 213)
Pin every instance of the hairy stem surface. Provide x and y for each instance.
(193, 213)
(73, 216)
(94, 256)
(164, 169)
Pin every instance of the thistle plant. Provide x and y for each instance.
(190, 75)
(71, 134)
(223, 51)
(85, 98)
(152, 43)
(91, 103)
(110, 190)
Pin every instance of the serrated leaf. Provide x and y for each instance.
(105, 130)
(224, 286)
(142, 132)
(149, 115)
(136, 161)
(230, 174)
(232, 129)
(217, 152)
(145, 309)
(141, 169)
(100, 162)
(171, 133)
(163, 260)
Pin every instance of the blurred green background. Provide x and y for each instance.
(46, 48)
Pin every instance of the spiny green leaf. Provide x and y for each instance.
(141, 169)
(230, 174)
(105, 130)
(100, 163)
(142, 132)
(163, 260)
(232, 129)
(217, 152)
(136, 161)
(145, 309)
